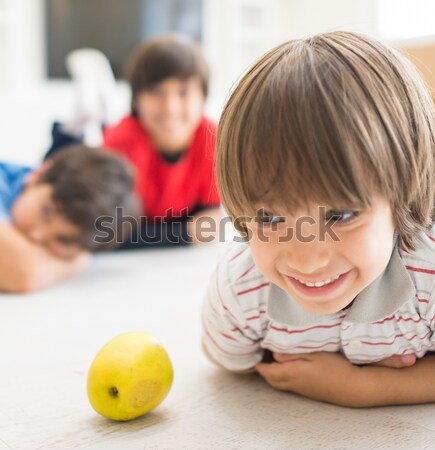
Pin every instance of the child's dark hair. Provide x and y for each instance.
(167, 56)
(89, 183)
(332, 120)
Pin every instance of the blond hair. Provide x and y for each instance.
(332, 120)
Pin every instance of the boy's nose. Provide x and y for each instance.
(308, 257)
(172, 103)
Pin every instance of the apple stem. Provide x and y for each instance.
(113, 392)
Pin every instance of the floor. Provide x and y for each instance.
(48, 340)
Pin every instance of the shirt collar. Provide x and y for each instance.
(385, 295)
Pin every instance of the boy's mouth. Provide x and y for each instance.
(318, 283)
(319, 288)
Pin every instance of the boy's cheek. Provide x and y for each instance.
(22, 215)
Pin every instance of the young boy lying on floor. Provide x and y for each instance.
(48, 215)
(326, 164)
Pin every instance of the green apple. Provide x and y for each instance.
(130, 376)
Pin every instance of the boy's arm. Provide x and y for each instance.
(228, 340)
(25, 266)
(330, 377)
(204, 226)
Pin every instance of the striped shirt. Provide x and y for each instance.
(244, 313)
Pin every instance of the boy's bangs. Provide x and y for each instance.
(291, 185)
(295, 144)
(295, 156)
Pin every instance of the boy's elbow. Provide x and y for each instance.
(21, 288)
(222, 364)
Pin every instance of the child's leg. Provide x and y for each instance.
(60, 138)
(96, 100)
(96, 89)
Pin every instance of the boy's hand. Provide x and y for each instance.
(323, 376)
(397, 361)
(81, 261)
(205, 225)
(26, 266)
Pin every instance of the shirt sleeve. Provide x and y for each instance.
(430, 318)
(12, 180)
(116, 147)
(118, 139)
(228, 339)
(4, 195)
(4, 215)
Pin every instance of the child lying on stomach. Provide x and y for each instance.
(48, 215)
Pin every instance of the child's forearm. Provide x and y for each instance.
(379, 386)
(26, 267)
(39, 271)
(205, 225)
(48, 269)
(330, 377)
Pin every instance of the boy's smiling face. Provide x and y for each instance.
(36, 216)
(308, 271)
(171, 112)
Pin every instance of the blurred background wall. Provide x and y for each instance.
(35, 34)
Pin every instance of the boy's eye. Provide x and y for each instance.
(341, 217)
(267, 218)
(66, 240)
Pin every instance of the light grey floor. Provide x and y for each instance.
(48, 340)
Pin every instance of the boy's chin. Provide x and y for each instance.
(325, 307)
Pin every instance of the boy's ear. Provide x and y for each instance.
(35, 175)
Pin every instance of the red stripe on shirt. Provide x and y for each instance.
(234, 339)
(394, 339)
(246, 272)
(305, 329)
(256, 317)
(399, 319)
(238, 254)
(227, 336)
(419, 269)
(386, 343)
(256, 288)
(223, 304)
(221, 349)
(317, 346)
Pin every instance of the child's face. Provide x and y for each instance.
(35, 215)
(171, 112)
(358, 257)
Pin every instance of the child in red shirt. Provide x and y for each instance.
(168, 140)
